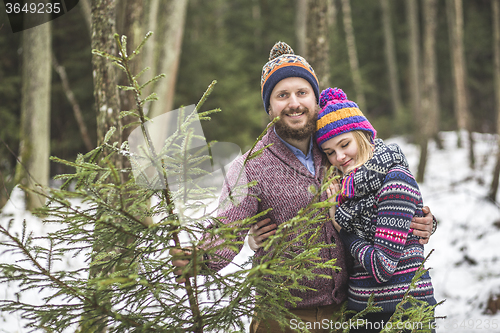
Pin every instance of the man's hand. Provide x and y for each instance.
(422, 226)
(179, 260)
(331, 192)
(259, 232)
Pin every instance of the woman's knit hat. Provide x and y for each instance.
(284, 63)
(338, 115)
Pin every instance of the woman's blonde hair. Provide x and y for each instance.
(365, 150)
(365, 147)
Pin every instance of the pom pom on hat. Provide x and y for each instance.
(339, 115)
(331, 94)
(279, 49)
(284, 63)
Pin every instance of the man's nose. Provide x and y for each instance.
(293, 102)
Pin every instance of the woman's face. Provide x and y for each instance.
(342, 151)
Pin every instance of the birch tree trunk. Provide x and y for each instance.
(353, 54)
(317, 40)
(390, 57)
(430, 100)
(495, 9)
(456, 31)
(35, 109)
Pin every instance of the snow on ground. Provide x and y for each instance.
(465, 263)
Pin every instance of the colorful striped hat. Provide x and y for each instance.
(284, 63)
(339, 115)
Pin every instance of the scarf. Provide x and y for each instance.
(356, 201)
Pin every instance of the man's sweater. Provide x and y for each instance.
(283, 184)
(386, 261)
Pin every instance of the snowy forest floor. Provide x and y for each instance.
(465, 263)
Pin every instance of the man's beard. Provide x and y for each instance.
(286, 132)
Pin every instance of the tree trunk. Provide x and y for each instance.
(331, 14)
(456, 31)
(107, 103)
(105, 73)
(220, 9)
(495, 8)
(168, 50)
(35, 109)
(353, 54)
(86, 9)
(390, 57)
(257, 17)
(317, 40)
(130, 22)
(147, 58)
(430, 69)
(414, 60)
(301, 14)
(430, 100)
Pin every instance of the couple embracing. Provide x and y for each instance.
(379, 224)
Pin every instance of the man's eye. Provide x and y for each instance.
(282, 95)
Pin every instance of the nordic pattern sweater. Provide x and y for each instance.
(386, 265)
(282, 184)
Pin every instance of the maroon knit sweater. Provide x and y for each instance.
(282, 184)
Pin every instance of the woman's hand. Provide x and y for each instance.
(259, 232)
(331, 192)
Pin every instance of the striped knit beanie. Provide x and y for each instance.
(338, 115)
(284, 63)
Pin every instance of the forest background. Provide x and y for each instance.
(229, 41)
(416, 68)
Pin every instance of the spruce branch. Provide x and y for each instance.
(64, 286)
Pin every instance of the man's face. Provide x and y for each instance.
(294, 101)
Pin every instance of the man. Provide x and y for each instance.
(284, 172)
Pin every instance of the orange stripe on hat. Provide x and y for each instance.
(295, 64)
(337, 115)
